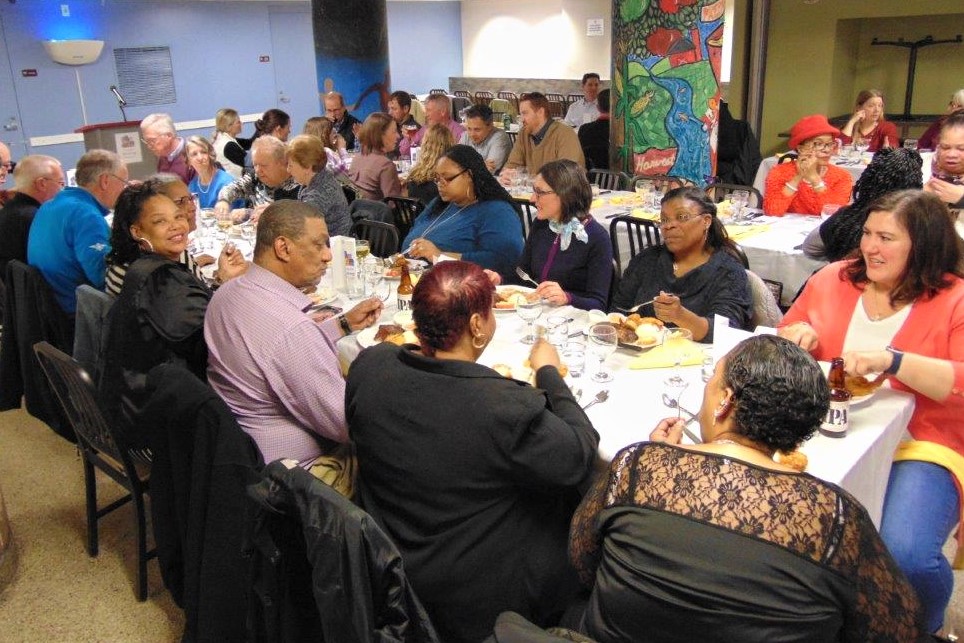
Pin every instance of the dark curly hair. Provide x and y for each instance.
(444, 300)
(487, 187)
(780, 395)
(892, 169)
(124, 249)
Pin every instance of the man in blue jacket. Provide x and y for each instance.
(69, 238)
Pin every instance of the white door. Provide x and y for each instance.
(11, 131)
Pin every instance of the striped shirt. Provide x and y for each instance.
(116, 273)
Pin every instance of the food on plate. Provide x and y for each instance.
(563, 369)
(322, 295)
(503, 369)
(860, 386)
(637, 330)
(508, 298)
(395, 334)
(794, 459)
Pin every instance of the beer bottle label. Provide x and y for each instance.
(405, 301)
(837, 419)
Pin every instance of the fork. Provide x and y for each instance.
(601, 396)
(525, 277)
(630, 311)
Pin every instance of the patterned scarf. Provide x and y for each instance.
(574, 227)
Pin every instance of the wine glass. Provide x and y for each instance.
(740, 199)
(861, 145)
(529, 311)
(362, 249)
(602, 344)
(675, 341)
(373, 271)
(644, 188)
(557, 330)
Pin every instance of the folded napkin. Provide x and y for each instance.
(596, 203)
(746, 231)
(649, 215)
(665, 355)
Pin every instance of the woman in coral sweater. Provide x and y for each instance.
(805, 185)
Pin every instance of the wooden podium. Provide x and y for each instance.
(125, 139)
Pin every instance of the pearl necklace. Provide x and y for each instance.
(200, 186)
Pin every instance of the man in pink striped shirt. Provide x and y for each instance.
(275, 366)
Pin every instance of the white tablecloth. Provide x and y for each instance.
(859, 462)
(772, 254)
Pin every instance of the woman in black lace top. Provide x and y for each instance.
(717, 542)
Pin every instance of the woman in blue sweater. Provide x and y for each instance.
(472, 219)
(567, 251)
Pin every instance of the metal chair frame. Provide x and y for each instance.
(609, 179)
(483, 98)
(641, 234)
(102, 447)
(404, 211)
(382, 237)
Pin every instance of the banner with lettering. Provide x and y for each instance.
(666, 89)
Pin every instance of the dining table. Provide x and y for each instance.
(773, 245)
(859, 462)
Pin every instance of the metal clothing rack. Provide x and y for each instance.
(914, 47)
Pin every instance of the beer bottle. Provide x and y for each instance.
(838, 416)
(405, 288)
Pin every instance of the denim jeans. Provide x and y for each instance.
(920, 510)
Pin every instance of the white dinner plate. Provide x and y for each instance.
(323, 295)
(501, 289)
(366, 336)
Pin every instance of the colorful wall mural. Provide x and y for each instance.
(666, 70)
(351, 53)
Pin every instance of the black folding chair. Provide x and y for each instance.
(721, 191)
(639, 233)
(102, 448)
(382, 237)
(526, 212)
(609, 179)
(404, 211)
(433, 92)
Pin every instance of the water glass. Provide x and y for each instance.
(740, 199)
(602, 344)
(248, 232)
(706, 370)
(557, 330)
(574, 357)
(910, 143)
(529, 311)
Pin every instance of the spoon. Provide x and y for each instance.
(601, 396)
(674, 404)
(630, 311)
(525, 277)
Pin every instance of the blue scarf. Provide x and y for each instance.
(574, 227)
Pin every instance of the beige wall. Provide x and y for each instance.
(534, 38)
(810, 68)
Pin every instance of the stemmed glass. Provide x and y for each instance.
(529, 311)
(861, 145)
(602, 344)
(675, 341)
(740, 199)
(644, 188)
(374, 273)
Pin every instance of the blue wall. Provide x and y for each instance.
(215, 48)
(424, 44)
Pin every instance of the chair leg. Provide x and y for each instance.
(90, 488)
(138, 496)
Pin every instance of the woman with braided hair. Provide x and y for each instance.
(891, 170)
(472, 219)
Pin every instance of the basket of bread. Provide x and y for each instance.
(507, 298)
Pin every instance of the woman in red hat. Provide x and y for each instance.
(868, 123)
(807, 184)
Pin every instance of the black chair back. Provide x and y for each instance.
(382, 237)
(609, 179)
(370, 209)
(557, 105)
(639, 234)
(512, 97)
(102, 448)
(461, 93)
(483, 98)
(437, 91)
(404, 211)
(721, 191)
(90, 329)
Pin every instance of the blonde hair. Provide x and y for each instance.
(436, 142)
(205, 145)
(307, 150)
(225, 118)
(321, 127)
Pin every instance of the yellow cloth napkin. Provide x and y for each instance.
(665, 355)
(949, 459)
(746, 231)
(640, 213)
(595, 204)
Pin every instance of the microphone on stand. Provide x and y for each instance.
(117, 95)
(120, 100)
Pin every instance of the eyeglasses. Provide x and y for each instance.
(8, 166)
(151, 142)
(59, 181)
(443, 179)
(681, 219)
(184, 200)
(538, 192)
(820, 145)
(124, 181)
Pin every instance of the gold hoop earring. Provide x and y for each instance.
(481, 343)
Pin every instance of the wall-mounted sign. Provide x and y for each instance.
(28, 73)
(264, 59)
(596, 27)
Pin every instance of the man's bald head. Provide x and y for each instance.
(39, 176)
(4, 162)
